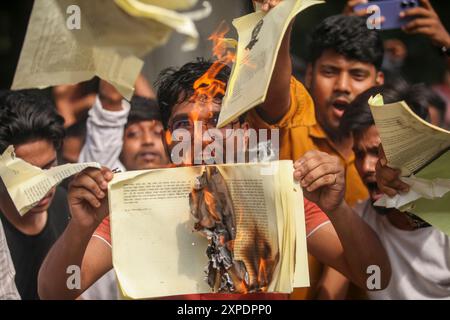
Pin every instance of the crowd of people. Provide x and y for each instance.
(326, 129)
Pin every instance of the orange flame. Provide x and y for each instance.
(262, 275)
(243, 289)
(168, 137)
(211, 205)
(207, 87)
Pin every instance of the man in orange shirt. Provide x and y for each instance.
(345, 60)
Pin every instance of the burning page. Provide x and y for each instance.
(214, 216)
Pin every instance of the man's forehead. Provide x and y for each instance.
(189, 106)
(144, 124)
(334, 59)
(40, 153)
(367, 138)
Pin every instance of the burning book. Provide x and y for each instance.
(214, 216)
(249, 230)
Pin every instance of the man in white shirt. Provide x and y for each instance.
(125, 136)
(419, 253)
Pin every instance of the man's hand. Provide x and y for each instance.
(110, 98)
(426, 22)
(268, 4)
(388, 179)
(87, 196)
(322, 177)
(350, 11)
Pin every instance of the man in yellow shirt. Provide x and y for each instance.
(346, 58)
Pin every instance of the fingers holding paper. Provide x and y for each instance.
(87, 196)
(322, 178)
(388, 179)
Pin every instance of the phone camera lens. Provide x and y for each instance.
(404, 4)
(412, 3)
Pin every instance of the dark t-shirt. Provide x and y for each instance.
(28, 252)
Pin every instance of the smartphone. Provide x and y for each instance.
(390, 10)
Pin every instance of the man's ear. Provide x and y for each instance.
(379, 80)
(308, 76)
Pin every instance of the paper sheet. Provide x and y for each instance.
(409, 142)
(26, 184)
(260, 37)
(413, 145)
(113, 35)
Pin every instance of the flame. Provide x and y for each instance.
(207, 87)
(263, 279)
(168, 137)
(242, 287)
(211, 204)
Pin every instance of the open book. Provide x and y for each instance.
(422, 152)
(225, 228)
(23, 185)
(409, 142)
(260, 36)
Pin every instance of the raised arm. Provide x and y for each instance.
(277, 101)
(105, 127)
(348, 244)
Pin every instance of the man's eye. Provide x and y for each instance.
(328, 72)
(133, 134)
(182, 124)
(213, 121)
(359, 76)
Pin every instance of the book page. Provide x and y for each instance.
(256, 243)
(54, 54)
(155, 251)
(260, 36)
(27, 184)
(429, 195)
(409, 142)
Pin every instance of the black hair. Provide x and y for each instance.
(348, 36)
(421, 97)
(175, 85)
(358, 117)
(29, 115)
(143, 109)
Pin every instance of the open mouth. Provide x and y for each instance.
(148, 156)
(339, 107)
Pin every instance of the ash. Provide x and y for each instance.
(212, 212)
